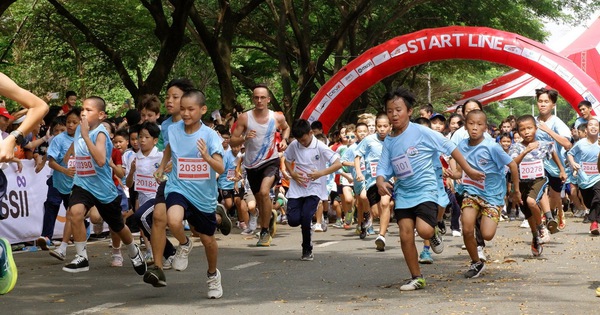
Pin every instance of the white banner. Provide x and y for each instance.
(23, 205)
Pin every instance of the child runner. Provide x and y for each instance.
(309, 176)
(408, 154)
(93, 186)
(191, 189)
(583, 157)
(483, 198)
(530, 154)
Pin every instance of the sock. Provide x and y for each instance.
(264, 230)
(187, 242)
(80, 247)
(426, 248)
(132, 249)
(549, 215)
(208, 274)
(62, 247)
(116, 251)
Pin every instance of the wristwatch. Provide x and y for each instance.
(18, 137)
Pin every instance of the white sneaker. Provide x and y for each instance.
(456, 233)
(215, 290)
(481, 254)
(247, 231)
(252, 222)
(317, 227)
(168, 263)
(380, 243)
(180, 262)
(524, 224)
(117, 260)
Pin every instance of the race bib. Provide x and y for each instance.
(230, 174)
(145, 183)
(71, 163)
(402, 167)
(531, 169)
(466, 180)
(304, 175)
(192, 169)
(590, 168)
(373, 166)
(84, 166)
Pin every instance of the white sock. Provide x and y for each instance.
(63, 247)
(80, 247)
(132, 249)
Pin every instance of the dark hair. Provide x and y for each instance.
(582, 127)
(74, 111)
(123, 133)
(221, 129)
(152, 128)
(133, 117)
(98, 102)
(461, 121)
(260, 85)
(427, 107)
(525, 118)
(134, 129)
(181, 83)
(300, 127)
(584, 103)
(477, 112)
(400, 92)
(196, 95)
(552, 94)
(316, 125)
(381, 116)
(321, 138)
(423, 121)
(150, 102)
(361, 124)
(70, 93)
(473, 101)
(505, 135)
(60, 120)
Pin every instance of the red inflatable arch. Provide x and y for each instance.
(454, 42)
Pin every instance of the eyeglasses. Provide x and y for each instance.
(350, 137)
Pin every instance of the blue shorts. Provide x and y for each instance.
(204, 223)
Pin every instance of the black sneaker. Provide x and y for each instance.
(225, 226)
(79, 264)
(307, 255)
(155, 277)
(139, 263)
(536, 247)
(363, 233)
(475, 269)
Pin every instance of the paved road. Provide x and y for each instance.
(347, 276)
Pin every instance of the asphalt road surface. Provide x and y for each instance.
(347, 276)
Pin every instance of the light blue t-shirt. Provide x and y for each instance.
(579, 121)
(369, 150)
(558, 126)
(100, 183)
(164, 128)
(57, 150)
(586, 155)
(197, 182)
(489, 158)
(409, 157)
(230, 164)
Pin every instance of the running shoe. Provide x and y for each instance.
(139, 263)
(562, 222)
(317, 227)
(594, 228)
(264, 240)
(273, 223)
(380, 243)
(155, 277)
(552, 226)
(284, 219)
(347, 226)
(338, 224)
(363, 233)
(437, 242)
(307, 255)
(413, 284)
(215, 290)
(586, 219)
(544, 234)
(425, 257)
(481, 255)
(225, 226)
(58, 254)
(475, 269)
(8, 268)
(524, 224)
(579, 213)
(168, 263)
(242, 225)
(44, 243)
(456, 233)
(180, 262)
(247, 231)
(79, 264)
(536, 247)
(252, 222)
(149, 258)
(117, 260)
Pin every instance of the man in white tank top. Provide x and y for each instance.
(256, 129)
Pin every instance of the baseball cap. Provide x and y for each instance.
(5, 113)
(438, 116)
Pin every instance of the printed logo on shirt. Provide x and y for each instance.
(156, 165)
(317, 157)
(483, 162)
(412, 152)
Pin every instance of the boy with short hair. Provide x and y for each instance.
(149, 108)
(191, 189)
(93, 186)
(483, 199)
(309, 184)
(583, 157)
(408, 154)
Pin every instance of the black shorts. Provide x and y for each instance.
(427, 211)
(591, 196)
(227, 193)
(204, 223)
(533, 189)
(110, 212)
(554, 182)
(160, 193)
(334, 196)
(256, 175)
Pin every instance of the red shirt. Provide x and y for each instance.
(117, 158)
